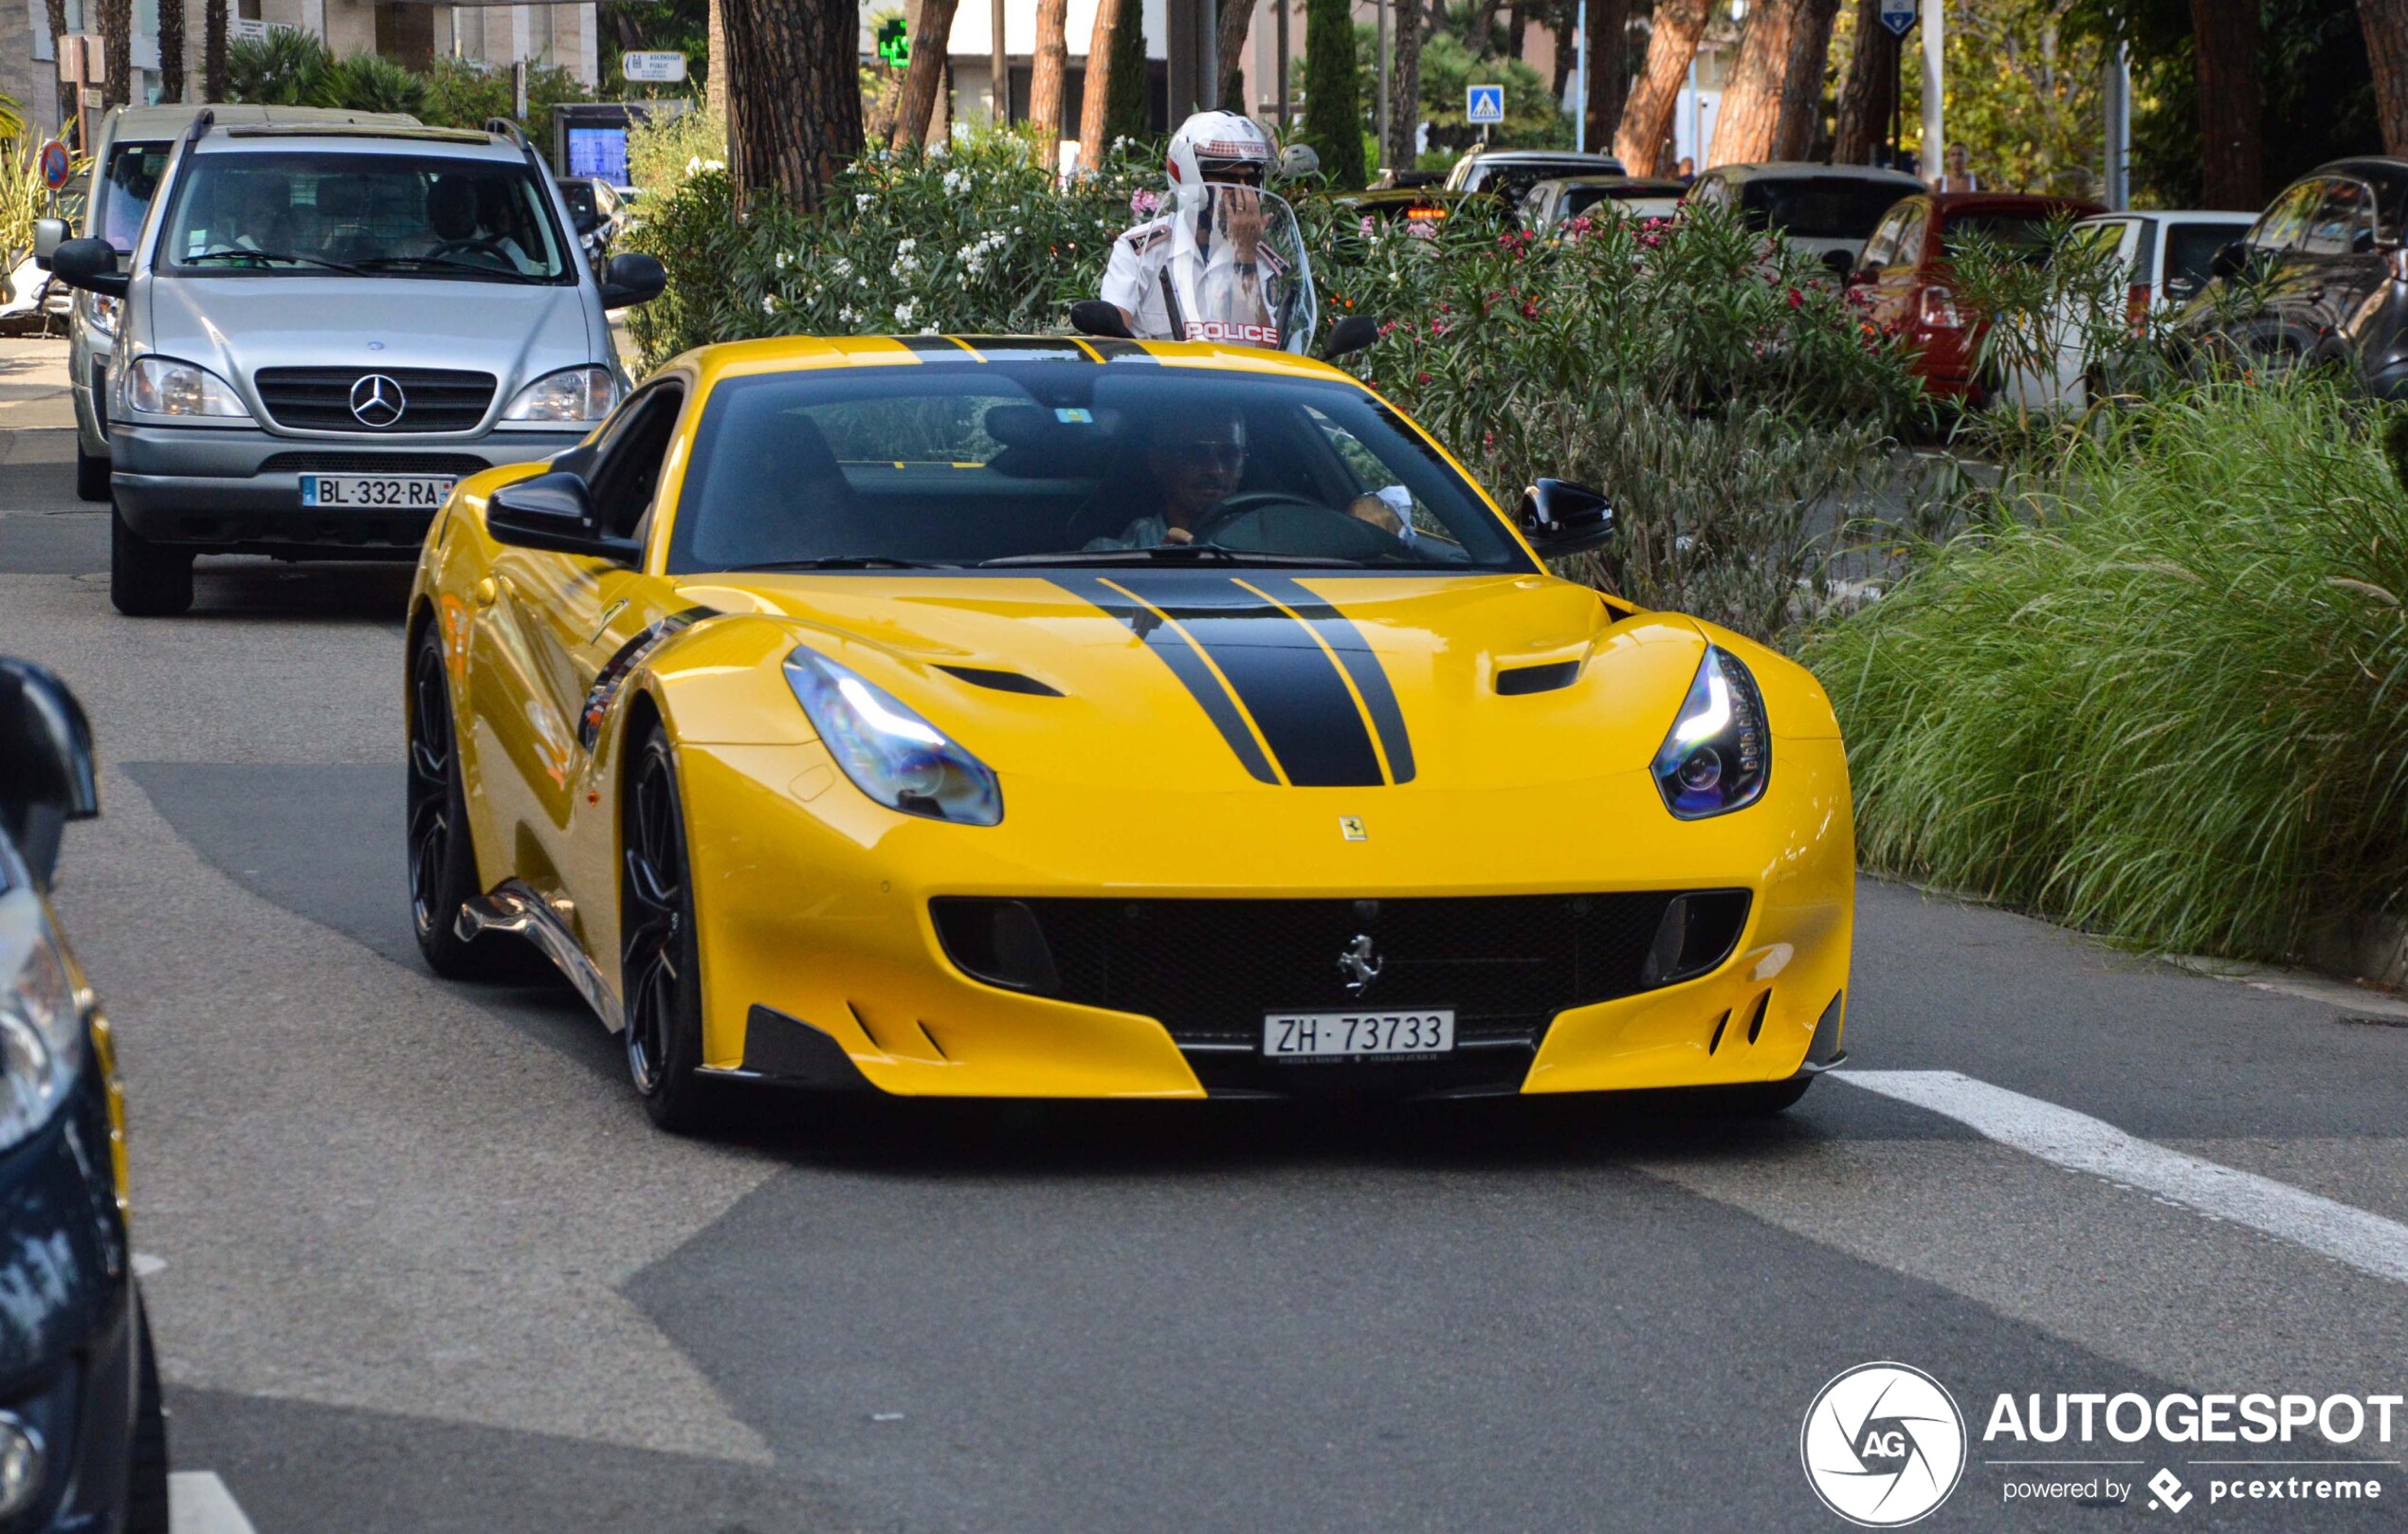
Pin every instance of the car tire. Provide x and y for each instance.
(91, 475)
(146, 1509)
(442, 851)
(147, 579)
(660, 963)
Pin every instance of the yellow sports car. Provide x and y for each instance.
(1054, 718)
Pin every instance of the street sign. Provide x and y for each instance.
(1899, 16)
(894, 42)
(657, 67)
(1484, 103)
(55, 165)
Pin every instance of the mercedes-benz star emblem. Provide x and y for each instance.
(1360, 963)
(376, 400)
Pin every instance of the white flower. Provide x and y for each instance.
(927, 329)
(714, 165)
(903, 311)
(862, 201)
(846, 314)
(781, 260)
(841, 268)
(769, 303)
(694, 165)
(906, 246)
(957, 182)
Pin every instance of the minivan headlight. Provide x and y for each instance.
(41, 1019)
(1719, 752)
(578, 394)
(890, 752)
(101, 312)
(163, 385)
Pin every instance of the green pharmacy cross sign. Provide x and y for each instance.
(894, 42)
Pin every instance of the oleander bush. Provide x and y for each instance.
(2158, 689)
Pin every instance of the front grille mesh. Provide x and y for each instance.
(319, 399)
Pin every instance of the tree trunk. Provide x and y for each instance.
(1607, 85)
(1404, 84)
(2385, 24)
(55, 13)
(1751, 112)
(1045, 74)
(1128, 111)
(170, 52)
(924, 75)
(1235, 17)
(117, 34)
(793, 96)
(213, 50)
(1561, 18)
(1644, 140)
(1868, 94)
(1801, 98)
(1096, 92)
(714, 60)
(2231, 154)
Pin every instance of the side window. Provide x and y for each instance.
(2338, 216)
(2280, 225)
(1911, 232)
(1883, 247)
(628, 468)
(1710, 193)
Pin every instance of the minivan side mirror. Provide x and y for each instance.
(2229, 261)
(48, 234)
(1560, 518)
(90, 265)
(554, 512)
(47, 775)
(633, 278)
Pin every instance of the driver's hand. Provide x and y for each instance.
(1370, 508)
(1178, 534)
(1242, 221)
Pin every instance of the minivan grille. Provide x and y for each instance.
(320, 399)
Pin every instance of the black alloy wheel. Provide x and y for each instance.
(661, 977)
(443, 857)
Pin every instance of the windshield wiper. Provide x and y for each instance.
(238, 253)
(452, 263)
(1173, 554)
(849, 561)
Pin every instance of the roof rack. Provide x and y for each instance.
(510, 130)
(201, 122)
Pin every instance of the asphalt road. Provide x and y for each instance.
(416, 1260)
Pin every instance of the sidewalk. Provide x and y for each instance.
(37, 412)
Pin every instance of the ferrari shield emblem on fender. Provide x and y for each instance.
(1351, 826)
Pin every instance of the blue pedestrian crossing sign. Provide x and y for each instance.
(1898, 15)
(1484, 103)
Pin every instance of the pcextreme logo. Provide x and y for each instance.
(1883, 1445)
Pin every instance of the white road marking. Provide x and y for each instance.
(2075, 1140)
(145, 1265)
(198, 1503)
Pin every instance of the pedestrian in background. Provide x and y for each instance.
(1955, 177)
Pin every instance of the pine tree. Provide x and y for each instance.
(1127, 114)
(1332, 97)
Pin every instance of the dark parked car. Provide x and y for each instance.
(1829, 209)
(597, 212)
(1506, 173)
(1402, 205)
(1550, 203)
(2329, 258)
(83, 1437)
(1906, 274)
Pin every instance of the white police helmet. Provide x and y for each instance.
(1220, 146)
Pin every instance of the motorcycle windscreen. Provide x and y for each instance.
(1237, 272)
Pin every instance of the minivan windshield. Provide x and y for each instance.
(1069, 462)
(258, 213)
(1818, 207)
(127, 185)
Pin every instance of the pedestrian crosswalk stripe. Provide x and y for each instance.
(198, 1503)
(2079, 1143)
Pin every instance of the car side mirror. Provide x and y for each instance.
(1093, 317)
(2229, 261)
(1351, 334)
(1840, 264)
(554, 512)
(633, 278)
(46, 775)
(1560, 518)
(586, 219)
(90, 265)
(48, 234)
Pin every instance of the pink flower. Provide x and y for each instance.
(1529, 311)
(1421, 377)
(1144, 204)
(1796, 298)
(1366, 226)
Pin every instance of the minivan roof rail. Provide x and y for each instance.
(201, 122)
(511, 131)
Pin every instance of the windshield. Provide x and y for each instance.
(1066, 461)
(1818, 208)
(126, 188)
(282, 213)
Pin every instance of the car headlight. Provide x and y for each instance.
(581, 395)
(101, 312)
(41, 1019)
(1719, 753)
(162, 385)
(889, 751)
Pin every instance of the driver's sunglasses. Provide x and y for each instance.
(1221, 455)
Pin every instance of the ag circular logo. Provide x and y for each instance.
(376, 400)
(1883, 1445)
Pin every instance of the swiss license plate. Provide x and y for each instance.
(404, 492)
(1309, 1035)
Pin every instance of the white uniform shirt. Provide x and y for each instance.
(1133, 277)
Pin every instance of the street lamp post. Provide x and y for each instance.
(1933, 162)
(1000, 64)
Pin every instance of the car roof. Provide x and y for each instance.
(1771, 170)
(2160, 215)
(2010, 202)
(467, 143)
(1626, 183)
(129, 122)
(1526, 157)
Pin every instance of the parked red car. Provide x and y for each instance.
(1903, 275)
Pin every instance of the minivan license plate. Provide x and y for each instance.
(403, 492)
(1306, 1036)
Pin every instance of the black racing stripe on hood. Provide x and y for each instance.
(1184, 661)
(1361, 662)
(940, 347)
(1119, 349)
(1026, 348)
(1284, 679)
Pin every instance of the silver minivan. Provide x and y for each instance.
(129, 154)
(323, 326)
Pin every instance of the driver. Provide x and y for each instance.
(1197, 459)
(1218, 149)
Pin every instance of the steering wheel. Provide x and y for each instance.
(1276, 522)
(481, 245)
